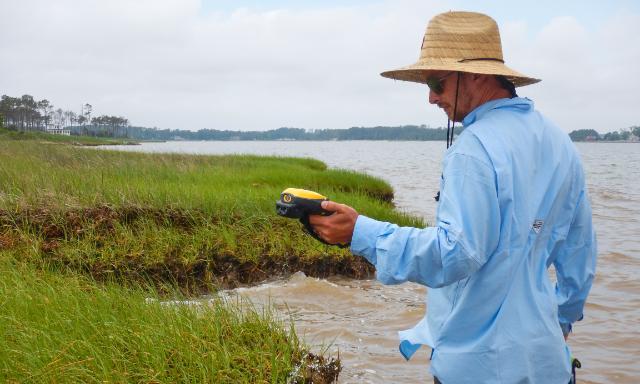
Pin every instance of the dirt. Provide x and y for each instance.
(317, 370)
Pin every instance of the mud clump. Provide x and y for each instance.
(316, 369)
(232, 273)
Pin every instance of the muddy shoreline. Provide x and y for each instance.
(49, 229)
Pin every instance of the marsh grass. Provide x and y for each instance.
(63, 328)
(191, 220)
(43, 137)
(97, 246)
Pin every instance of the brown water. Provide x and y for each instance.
(360, 318)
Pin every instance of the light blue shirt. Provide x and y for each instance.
(512, 203)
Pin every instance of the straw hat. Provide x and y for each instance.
(460, 41)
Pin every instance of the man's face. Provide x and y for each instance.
(447, 99)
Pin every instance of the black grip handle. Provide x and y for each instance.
(308, 229)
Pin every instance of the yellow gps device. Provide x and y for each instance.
(298, 204)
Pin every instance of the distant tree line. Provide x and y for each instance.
(400, 133)
(625, 134)
(103, 126)
(406, 132)
(27, 114)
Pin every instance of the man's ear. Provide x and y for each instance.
(479, 80)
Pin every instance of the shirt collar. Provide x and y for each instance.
(520, 103)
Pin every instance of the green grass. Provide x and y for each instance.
(88, 236)
(187, 219)
(212, 183)
(7, 134)
(60, 328)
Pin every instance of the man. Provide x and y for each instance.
(512, 202)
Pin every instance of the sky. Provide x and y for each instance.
(260, 65)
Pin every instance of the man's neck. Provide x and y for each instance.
(492, 93)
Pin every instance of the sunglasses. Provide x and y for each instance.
(435, 83)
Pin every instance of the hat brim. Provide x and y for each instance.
(420, 72)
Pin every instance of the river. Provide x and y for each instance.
(360, 318)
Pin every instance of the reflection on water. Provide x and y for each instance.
(361, 318)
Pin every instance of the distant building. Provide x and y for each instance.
(57, 129)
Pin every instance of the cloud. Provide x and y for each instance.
(589, 76)
(170, 63)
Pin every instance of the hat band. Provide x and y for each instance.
(481, 58)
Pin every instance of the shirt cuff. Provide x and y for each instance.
(567, 328)
(365, 236)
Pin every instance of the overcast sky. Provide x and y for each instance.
(258, 65)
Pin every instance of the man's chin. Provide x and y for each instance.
(457, 119)
(447, 111)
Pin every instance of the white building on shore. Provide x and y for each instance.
(57, 129)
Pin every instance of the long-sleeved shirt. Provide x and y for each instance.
(512, 203)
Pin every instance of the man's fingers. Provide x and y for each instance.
(331, 206)
(336, 228)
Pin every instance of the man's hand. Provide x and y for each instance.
(338, 227)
